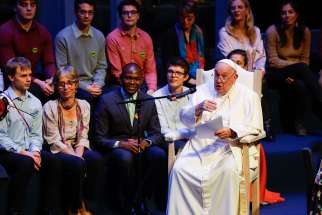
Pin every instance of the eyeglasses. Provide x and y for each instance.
(175, 73)
(84, 12)
(62, 85)
(25, 4)
(129, 13)
(222, 78)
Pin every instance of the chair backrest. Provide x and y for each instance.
(252, 80)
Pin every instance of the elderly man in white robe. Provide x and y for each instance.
(206, 176)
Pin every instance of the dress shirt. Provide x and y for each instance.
(21, 129)
(123, 48)
(130, 107)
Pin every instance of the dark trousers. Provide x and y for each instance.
(72, 173)
(300, 93)
(20, 169)
(127, 182)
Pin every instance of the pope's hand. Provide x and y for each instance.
(225, 133)
(207, 105)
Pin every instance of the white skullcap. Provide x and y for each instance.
(231, 63)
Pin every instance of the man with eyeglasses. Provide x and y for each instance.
(118, 128)
(83, 46)
(205, 178)
(23, 36)
(128, 43)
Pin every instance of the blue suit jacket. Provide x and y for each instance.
(112, 122)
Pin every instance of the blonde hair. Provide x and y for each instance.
(66, 70)
(249, 22)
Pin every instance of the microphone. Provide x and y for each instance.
(4, 102)
(183, 94)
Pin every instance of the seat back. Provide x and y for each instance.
(253, 80)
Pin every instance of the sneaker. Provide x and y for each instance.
(300, 130)
(268, 130)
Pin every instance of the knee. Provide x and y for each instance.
(94, 160)
(156, 154)
(122, 158)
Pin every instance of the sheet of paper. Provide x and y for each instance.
(207, 129)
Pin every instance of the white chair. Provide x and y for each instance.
(253, 81)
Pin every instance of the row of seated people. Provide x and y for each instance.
(85, 48)
(123, 142)
(84, 17)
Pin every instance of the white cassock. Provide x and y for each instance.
(206, 175)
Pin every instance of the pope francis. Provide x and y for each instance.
(205, 178)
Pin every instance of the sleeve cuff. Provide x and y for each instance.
(116, 144)
(149, 141)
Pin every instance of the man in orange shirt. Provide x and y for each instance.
(128, 43)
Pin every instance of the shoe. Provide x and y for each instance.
(268, 130)
(300, 130)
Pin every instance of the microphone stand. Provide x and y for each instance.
(139, 192)
(138, 102)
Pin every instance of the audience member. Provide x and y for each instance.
(169, 110)
(21, 137)
(320, 52)
(66, 124)
(266, 197)
(128, 43)
(207, 160)
(24, 36)
(129, 134)
(83, 46)
(185, 39)
(288, 46)
(240, 33)
(320, 48)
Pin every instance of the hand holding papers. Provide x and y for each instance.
(207, 129)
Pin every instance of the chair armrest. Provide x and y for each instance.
(171, 156)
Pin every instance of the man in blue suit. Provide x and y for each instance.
(127, 141)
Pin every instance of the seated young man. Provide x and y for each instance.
(128, 43)
(129, 142)
(23, 36)
(21, 137)
(83, 46)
